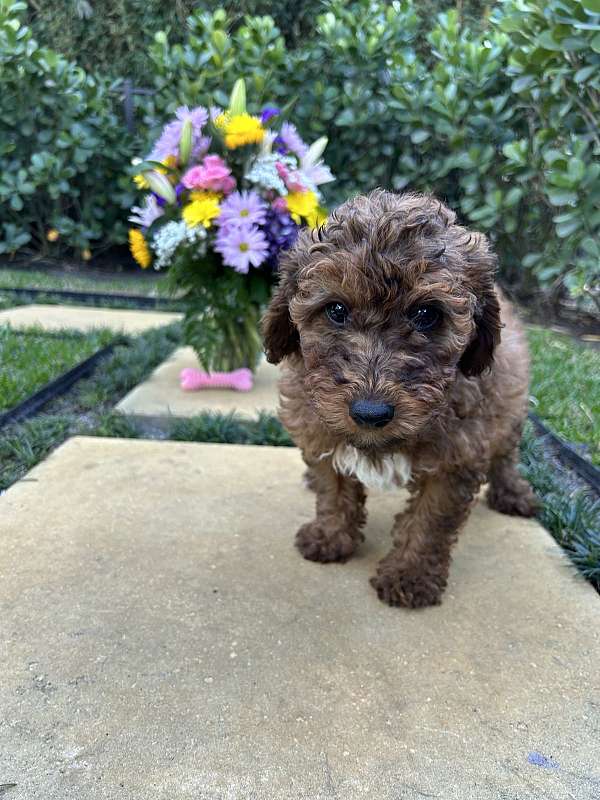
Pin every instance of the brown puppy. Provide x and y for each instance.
(396, 373)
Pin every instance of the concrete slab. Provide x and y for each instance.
(85, 318)
(161, 638)
(160, 398)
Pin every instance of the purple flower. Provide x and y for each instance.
(198, 116)
(290, 139)
(200, 147)
(281, 232)
(168, 142)
(241, 246)
(268, 113)
(241, 208)
(145, 215)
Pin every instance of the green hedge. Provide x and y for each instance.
(499, 118)
(500, 121)
(113, 36)
(62, 149)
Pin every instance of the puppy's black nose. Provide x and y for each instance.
(371, 413)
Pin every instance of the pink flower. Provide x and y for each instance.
(282, 170)
(280, 205)
(213, 174)
(291, 178)
(295, 183)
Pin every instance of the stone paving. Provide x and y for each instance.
(161, 639)
(85, 318)
(160, 398)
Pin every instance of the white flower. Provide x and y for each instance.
(264, 172)
(166, 241)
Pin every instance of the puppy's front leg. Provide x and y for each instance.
(415, 571)
(336, 531)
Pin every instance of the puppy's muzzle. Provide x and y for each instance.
(371, 413)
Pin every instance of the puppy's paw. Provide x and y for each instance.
(410, 588)
(517, 499)
(316, 542)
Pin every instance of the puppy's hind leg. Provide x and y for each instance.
(336, 531)
(508, 492)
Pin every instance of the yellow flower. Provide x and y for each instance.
(86, 254)
(302, 204)
(52, 235)
(205, 195)
(241, 129)
(139, 248)
(141, 182)
(222, 121)
(318, 218)
(169, 162)
(201, 211)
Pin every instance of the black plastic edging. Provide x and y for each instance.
(91, 297)
(568, 455)
(57, 387)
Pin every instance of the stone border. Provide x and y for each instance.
(567, 454)
(134, 300)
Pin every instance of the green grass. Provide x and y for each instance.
(25, 278)
(87, 408)
(565, 387)
(231, 429)
(30, 359)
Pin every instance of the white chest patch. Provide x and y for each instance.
(390, 472)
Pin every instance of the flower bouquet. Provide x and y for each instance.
(226, 191)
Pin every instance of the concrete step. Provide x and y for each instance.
(161, 638)
(85, 318)
(159, 399)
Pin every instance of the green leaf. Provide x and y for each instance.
(591, 247)
(345, 118)
(522, 83)
(419, 136)
(513, 196)
(561, 197)
(576, 169)
(591, 5)
(531, 259)
(551, 156)
(565, 229)
(583, 74)
(547, 41)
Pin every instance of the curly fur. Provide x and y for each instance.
(459, 392)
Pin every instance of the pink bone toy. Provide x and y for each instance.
(192, 379)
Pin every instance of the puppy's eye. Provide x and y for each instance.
(337, 313)
(425, 318)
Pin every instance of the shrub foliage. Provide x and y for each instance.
(493, 107)
(62, 149)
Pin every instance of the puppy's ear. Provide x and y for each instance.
(279, 332)
(480, 351)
